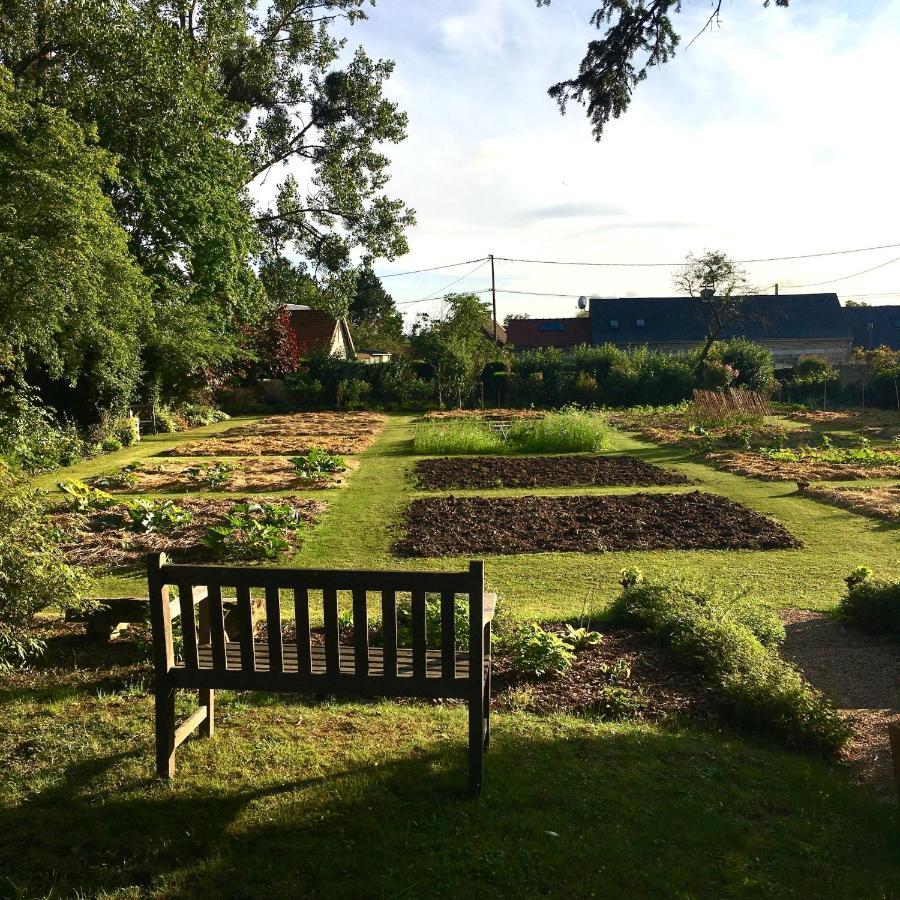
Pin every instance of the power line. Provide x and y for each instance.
(464, 262)
(847, 277)
(558, 262)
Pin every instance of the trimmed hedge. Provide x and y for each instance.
(733, 642)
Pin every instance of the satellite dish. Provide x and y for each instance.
(582, 303)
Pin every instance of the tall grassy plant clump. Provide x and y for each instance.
(735, 649)
(568, 431)
(457, 437)
(871, 603)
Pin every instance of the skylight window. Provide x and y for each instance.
(613, 323)
(551, 326)
(640, 323)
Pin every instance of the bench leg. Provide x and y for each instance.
(207, 698)
(165, 733)
(476, 743)
(487, 687)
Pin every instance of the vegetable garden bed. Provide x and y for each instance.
(351, 425)
(540, 471)
(755, 465)
(107, 538)
(455, 526)
(267, 473)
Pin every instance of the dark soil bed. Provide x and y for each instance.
(455, 526)
(540, 471)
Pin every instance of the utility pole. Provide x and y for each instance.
(494, 297)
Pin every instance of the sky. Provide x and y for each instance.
(774, 134)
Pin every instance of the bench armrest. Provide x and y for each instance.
(489, 605)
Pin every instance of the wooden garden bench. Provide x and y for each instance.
(209, 661)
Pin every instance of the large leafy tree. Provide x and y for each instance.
(72, 300)
(456, 346)
(373, 314)
(243, 138)
(637, 35)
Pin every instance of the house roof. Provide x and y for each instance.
(885, 322)
(487, 326)
(563, 333)
(639, 320)
(315, 329)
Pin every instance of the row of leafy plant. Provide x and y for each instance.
(255, 530)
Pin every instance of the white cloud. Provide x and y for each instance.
(770, 136)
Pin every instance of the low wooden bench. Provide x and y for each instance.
(210, 662)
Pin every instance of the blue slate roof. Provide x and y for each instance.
(885, 322)
(638, 320)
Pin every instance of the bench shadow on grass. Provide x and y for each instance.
(612, 814)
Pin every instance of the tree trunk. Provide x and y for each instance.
(897, 394)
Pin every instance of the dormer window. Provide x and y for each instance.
(640, 323)
(613, 323)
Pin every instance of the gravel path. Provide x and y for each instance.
(861, 674)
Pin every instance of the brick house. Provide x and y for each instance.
(562, 333)
(317, 331)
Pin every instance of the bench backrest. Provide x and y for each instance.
(207, 583)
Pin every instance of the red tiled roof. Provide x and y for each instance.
(314, 329)
(529, 333)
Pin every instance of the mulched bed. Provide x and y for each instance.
(291, 435)
(540, 471)
(103, 538)
(879, 501)
(351, 425)
(456, 526)
(272, 445)
(626, 676)
(487, 415)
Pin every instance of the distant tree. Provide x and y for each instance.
(514, 317)
(813, 371)
(638, 34)
(456, 346)
(856, 304)
(719, 288)
(373, 307)
(882, 362)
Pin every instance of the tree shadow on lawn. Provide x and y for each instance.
(611, 812)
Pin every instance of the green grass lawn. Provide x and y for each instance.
(296, 798)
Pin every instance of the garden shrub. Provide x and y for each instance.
(872, 604)
(31, 436)
(534, 651)
(195, 415)
(433, 622)
(735, 649)
(33, 572)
